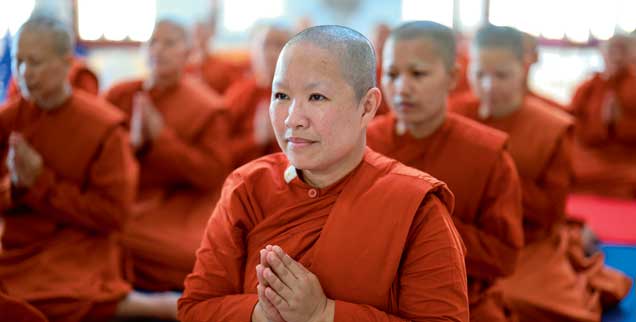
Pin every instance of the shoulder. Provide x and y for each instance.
(123, 89)
(465, 104)
(241, 88)
(9, 111)
(547, 117)
(200, 94)
(393, 175)
(380, 130)
(466, 131)
(94, 109)
(268, 171)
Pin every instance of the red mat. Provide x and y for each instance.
(613, 220)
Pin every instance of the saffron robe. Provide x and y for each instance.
(604, 155)
(61, 251)
(380, 241)
(219, 74)
(487, 210)
(549, 283)
(181, 174)
(243, 100)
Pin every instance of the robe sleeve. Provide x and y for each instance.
(86, 81)
(432, 277)
(12, 90)
(624, 87)
(202, 163)
(544, 199)
(103, 202)
(214, 290)
(494, 242)
(5, 188)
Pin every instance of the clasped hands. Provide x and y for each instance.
(288, 292)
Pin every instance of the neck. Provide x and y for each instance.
(420, 130)
(161, 83)
(56, 100)
(327, 177)
(504, 111)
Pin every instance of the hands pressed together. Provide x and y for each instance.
(23, 162)
(146, 121)
(287, 291)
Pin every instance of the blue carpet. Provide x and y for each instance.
(622, 258)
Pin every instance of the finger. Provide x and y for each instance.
(259, 275)
(277, 285)
(268, 308)
(278, 302)
(278, 267)
(263, 254)
(295, 267)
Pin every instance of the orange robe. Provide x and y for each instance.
(61, 251)
(408, 265)
(181, 176)
(18, 311)
(219, 74)
(243, 100)
(384, 107)
(80, 77)
(604, 156)
(462, 62)
(545, 100)
(487, 210)
(553, 280)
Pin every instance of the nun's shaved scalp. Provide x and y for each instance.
(354, 53)
(508, 38)
(443, 38)
(51, 29)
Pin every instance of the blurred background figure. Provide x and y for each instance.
(200, 108)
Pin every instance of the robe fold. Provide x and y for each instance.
(61, 251)
(549, 284)
(380, 241)
(487, 210)
(181, 174)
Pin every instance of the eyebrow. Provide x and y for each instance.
(313, 85)
(279, 84)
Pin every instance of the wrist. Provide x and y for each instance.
(327, 312)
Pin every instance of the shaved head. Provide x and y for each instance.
(353, 51)
(507, 38)
(178, 25)
(443, 38)
(56, 33)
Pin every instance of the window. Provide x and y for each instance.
(440, 11)
(13, 14)
(240, 15)
(116, 20)
(575, 20)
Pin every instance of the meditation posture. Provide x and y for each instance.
(179, 133)
(604, 155)
(553, 280)
(67, 184)
(419, 71)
